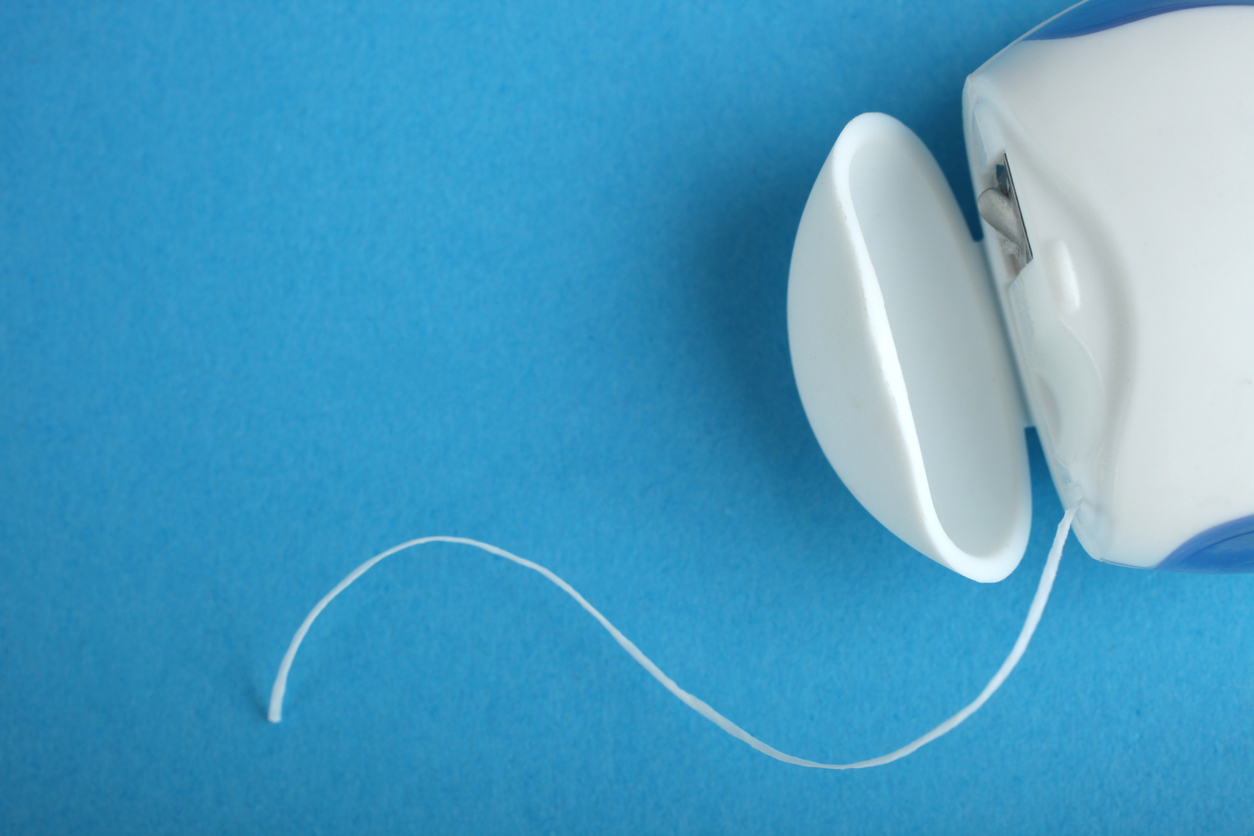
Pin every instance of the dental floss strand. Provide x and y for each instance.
(696, 704)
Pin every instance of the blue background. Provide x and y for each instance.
(282, 287)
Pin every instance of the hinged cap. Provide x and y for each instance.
(900, 356)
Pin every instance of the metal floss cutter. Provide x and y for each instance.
(1111, 304)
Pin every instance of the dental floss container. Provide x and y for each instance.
(1110, 304)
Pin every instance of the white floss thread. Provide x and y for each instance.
(696, 704)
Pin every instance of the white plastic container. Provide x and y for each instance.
(1111, 303)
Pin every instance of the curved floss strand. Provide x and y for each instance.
(695, 703)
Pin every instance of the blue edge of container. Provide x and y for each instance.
(1226, 549)
(1096, 15)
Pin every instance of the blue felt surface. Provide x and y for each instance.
(282, 287)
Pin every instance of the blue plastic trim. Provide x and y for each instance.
(1096, 15)
(1226, 549)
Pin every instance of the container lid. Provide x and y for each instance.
(900, 356)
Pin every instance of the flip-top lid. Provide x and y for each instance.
(900, 356)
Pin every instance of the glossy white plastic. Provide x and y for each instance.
(899, 355)
(1124, 201)
(1130, 150)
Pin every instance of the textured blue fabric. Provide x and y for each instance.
(283, 286)
(1098, 15)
